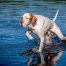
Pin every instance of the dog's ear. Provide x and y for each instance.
(33, 19)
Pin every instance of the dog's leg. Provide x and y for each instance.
(41, 42)
(29, 35)
(58, 32)
(57, 57)
(42, 58)
(41, 45)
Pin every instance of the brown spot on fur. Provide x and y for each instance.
(32, 19)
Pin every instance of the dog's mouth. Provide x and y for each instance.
(21, 24)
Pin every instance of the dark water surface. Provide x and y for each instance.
(13, 40)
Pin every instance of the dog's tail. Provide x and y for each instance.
(56, 15)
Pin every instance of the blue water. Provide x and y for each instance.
(13, 40)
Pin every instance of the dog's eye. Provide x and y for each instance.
(27, 18)
(22, 18)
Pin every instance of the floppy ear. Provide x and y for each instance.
(33, 19)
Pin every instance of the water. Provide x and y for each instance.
(13, 40)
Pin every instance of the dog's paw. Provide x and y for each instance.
(31, 38)
(29, 35)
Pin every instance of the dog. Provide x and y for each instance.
(40, 24)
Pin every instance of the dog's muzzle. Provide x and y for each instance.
(21, 22)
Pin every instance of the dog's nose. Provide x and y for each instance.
(21, 22)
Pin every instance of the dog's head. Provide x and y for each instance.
(27, 19)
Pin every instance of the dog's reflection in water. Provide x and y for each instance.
(52, 58)
(45, 58)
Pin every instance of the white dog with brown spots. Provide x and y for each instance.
(40, 25)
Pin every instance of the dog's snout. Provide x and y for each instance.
(21, 22)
